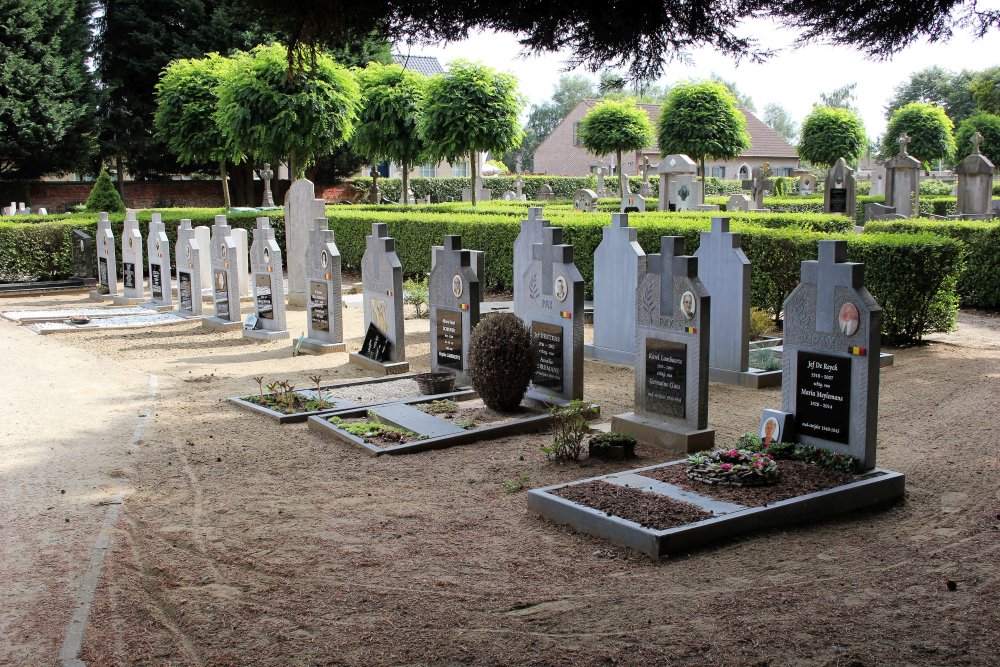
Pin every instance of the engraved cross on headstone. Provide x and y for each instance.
(721, 240)
(831, 271)
(760, 184)
(669, 263)
(551, 250)
(904, 143)
(976, 140)
(267, 174)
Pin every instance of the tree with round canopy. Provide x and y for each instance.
(615, 126)
(831, 133)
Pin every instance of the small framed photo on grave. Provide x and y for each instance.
(776, 426)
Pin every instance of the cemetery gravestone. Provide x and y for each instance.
(225, 278)
(242, 240)
(902, 180)
(509, 195)
(266, 173)
(384, 349)
(133, 291)
(585, 200)
(646, 190)
(633, 204)
(738, 204)
(672, 348)
(807, 184)
(325, 323)
(84, 257)
(158, 257)
(759, 185)
(975, 182)
(878, 182)
(601, 192)
(831, 356)
(203, 235)
(530, 234)
(679, 187)
(840, 195)
(374, 195)
(544, 193)
(190, 274)
(553, 310)
(619, 261)
(268, 285)
(482, 194)
(107, 264)
(519, 186)
(301, 210)
(454, 305)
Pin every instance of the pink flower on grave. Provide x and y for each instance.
(725, 467)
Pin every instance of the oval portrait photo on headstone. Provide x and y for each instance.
(187, 252)
(689, 305)
(849, 319)
(561, 291)
(130, 242)
(769, 431)
(223, 251)
(456, 286)
(324, 259)
(267, 256)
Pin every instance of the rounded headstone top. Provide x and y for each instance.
(677, 164)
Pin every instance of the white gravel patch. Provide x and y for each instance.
(126, 322)
(18, 315)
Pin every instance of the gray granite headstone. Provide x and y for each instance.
(545, 193)
(301, 209)
(807, 184)
(632, 203)
(679, 187)
(601, 192)
(382, 284)
(902, 180)
(203, 234)
(133, 290)
(84, 256)
(830, 360)
(759, 185)
(553, 309)
(107, 263)
(619, 261)
(738, 204)
(840, 193)
(646, 190)
(158, 258)
(585, 200)
(268, 284)
(190, 275)
(530, 234)
(975, 181)
(225, 278)
(672, 348)
(878, 182)
(455, 297)
(325, 318)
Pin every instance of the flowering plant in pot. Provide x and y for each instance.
(733, 467)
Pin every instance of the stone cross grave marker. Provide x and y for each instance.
(519, 182)
(325, 323)
(975, 181)
(902, 180)
(158, 258)
(384, 348)
(679, 186)
(455, 298)
(225, 278)
(646, 190)
(619, 261)
(830, 359)
(107, 263)
(84, 256)
(840, 195)
(530, 234)
(585, 200)
(268, 285)
(301, 210)
(738, 204)
(190, 271)
(672, 348)
(724, 270)
(553, 309)
(601, 192)
(267, 174)
(760, 184)
(133, 291)
(375, 194)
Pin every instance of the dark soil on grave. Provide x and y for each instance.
(796, 479)
(644, 507)
(300, 403)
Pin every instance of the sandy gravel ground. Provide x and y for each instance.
(245, 542)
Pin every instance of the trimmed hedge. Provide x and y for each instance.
(979, 282)
(814, 204)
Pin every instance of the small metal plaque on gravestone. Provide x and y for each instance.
(319, 310)
(102, 271)
(265, 306)
(549, 373)
(156, 281)
(838, 200)
(221, 295)
(376, 345)
(823, 396)
(128, 271)
(187, 300)
(449, 338)
(666, 377)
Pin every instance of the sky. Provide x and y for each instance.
(794, 78)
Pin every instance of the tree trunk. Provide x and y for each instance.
(292, 174)
(120, 167)
(404, 197)
(225, 185)
(242, 191)
(473, 165)
(621, 176)
(703, 180)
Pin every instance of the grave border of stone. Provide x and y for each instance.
(872, 488)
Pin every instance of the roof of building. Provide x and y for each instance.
(427, 65)
(764, 142)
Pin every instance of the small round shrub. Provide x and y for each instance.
(502, 360)
(104, 197)
(760, 323)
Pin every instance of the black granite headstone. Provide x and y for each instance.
(376, 345)
(549, 374)
(221, 295)
(187, 302)
(823, 388)
(319, 311)
(128, 271)
(666, 377)
(265, 307)
(156, 281)
(838, 200)
(102, 264)
(449, 338)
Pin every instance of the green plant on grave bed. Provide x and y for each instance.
(442, 406)
(569, 426)
(317, 380)
(513, 486)
(417, 294)
(373, 427)
(260, 385)
(795, 451)
(765, 359)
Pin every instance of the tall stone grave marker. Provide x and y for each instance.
(840, 195)
(530, 234)
(203, 234)
(158, 257)
(190, 275)
(454, 305)
(619, 261)
(760, 184)
(84, 257)
(679, 186)
(268, 285)
(553, 309)
(266, 174)
(672, 348)
(133, 291)
(830, 359)
(878, 182)
(975, 182)
(325, 323)
(242, 240)
(902, 180)
(107, 263)
(225, 278)
(384, 349)
(646, 190)
(301, 210)
(601, 192)
(544, 193)
(585, 200)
